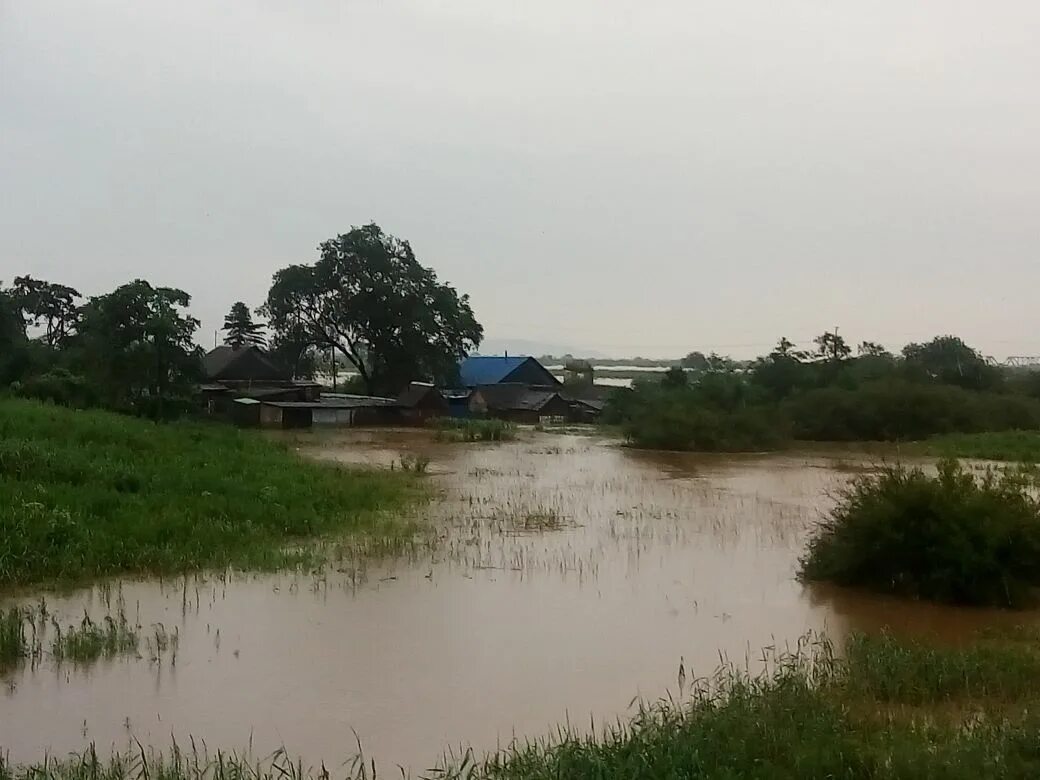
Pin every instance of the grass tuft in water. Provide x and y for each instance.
(91, 641)
(469, 430)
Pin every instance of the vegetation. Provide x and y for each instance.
(884, 708)
(90, 641)
(951, 537)
(370, 299)
(241, 330)
(133, 350)
(14, 646)
(1018, 446)
(89, 494)
(940, 387)
(470, 430)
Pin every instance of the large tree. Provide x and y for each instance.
(47, 306)
(949, 360)
(369, 298)
(241, 329)
(139, 347)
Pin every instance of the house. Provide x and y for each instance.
(330, 410)
(479, 370)
(247, 372)
(421, 401)
(518, 403)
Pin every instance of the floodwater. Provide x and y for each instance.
(569, 577)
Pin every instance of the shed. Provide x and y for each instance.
(518, 403)
(481, 370)
(245, 412)
(286, 414)
(421, 401)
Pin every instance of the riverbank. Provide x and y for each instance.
(90, 494)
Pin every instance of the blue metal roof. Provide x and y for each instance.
(488, 369)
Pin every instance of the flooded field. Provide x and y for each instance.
(568, 577)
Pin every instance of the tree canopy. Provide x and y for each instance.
(138, 346)
(369, 298)
(241, 329)
(52, 307)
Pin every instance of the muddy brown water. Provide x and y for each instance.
(570, 577)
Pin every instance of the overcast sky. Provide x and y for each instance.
(640, 177)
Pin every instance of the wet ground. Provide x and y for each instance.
(569, 577)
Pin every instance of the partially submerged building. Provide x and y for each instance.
(421, 401)
(519, 403)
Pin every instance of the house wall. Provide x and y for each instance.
(337, 417)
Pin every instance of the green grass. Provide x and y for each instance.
(90, 641)
(1017, 446)
(84, 495)
(470, 430)
(14, 645)
(883, 708)
(951, 537)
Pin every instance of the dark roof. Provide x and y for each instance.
(245, 363)
(337, 402)
(415, 393)
(488, 369)
(515, 397)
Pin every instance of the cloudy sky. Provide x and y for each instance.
(628, 177)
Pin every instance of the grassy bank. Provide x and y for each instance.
(884, 708)
(1016, 446)
(89, 494)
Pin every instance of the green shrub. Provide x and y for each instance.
(58, 386)
(950, 538)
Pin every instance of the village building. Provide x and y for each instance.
(481, 370)
(519, 403)
(421, 401)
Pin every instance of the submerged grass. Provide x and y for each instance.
(470, 430)
(90, 641)
(881, 709)
(89, 494)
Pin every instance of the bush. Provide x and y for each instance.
(712, 418)
(950, 538)
(58, 386)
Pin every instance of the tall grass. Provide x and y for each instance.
(90, 641)
(952, 537)
(89, 494)
(13, 643)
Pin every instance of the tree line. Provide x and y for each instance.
(827, 393)
(366, 299)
